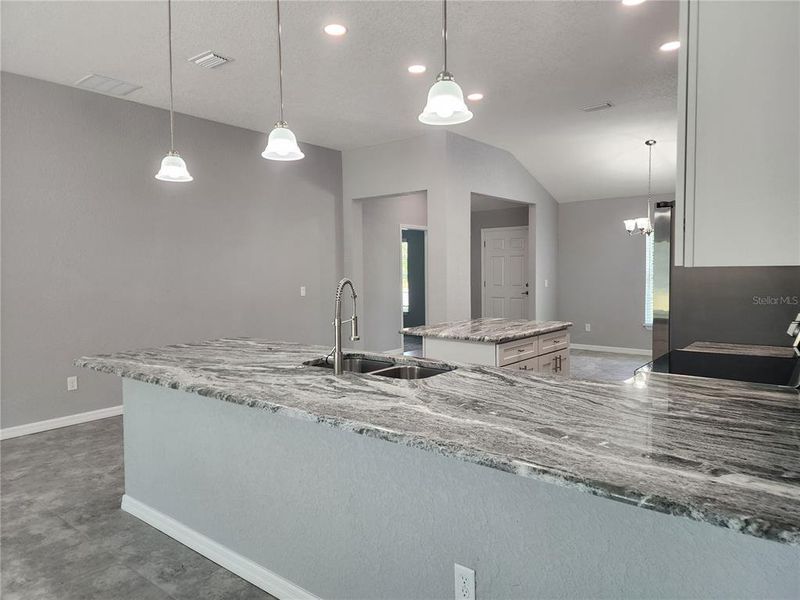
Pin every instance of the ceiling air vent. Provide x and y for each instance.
(209, 59)
(106, 85)
(596, 107)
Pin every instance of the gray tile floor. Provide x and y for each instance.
(63, 536)
(603, 366)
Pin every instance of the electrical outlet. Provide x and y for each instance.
(546, 283)
(587, 327)
(72, 383)
(465, 583)
(302, 291)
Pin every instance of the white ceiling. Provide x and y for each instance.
(537, 63)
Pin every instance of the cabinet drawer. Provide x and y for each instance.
(532, 364)
(518, 350)
(554, 363)
(550, 342)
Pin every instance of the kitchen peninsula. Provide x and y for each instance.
(295, 479)
(540, 346)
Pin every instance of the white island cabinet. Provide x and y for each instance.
(541, 346)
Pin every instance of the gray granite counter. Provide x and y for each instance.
(720, 452)
(741, 349)
(495, 331)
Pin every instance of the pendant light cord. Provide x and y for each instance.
(444, 32)
(171, 102)
(280, 57)
(649, 179)
(650, 144)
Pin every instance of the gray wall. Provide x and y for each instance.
(741, 305)
(507, 217)
(98, 256)
(350, 516)
(601, 272)
(382, 299)
(450, 168)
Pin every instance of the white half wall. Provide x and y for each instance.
(342, 515)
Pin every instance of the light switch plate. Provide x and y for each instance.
(302, 291)
(72, 383)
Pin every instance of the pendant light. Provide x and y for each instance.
(643, 225)
(445, 99)
(281, 144)
(173, 167)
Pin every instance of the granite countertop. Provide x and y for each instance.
(494, 331)
(741, 349)
(721, 452)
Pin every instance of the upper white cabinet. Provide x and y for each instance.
(738, 192)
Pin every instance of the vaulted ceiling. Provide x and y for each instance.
(538, 63)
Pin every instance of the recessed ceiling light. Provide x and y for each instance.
(670, 46)
(417, 69)
(335, 29)
(475, 97)
(632, 2)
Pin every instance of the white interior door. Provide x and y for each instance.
(505, 272)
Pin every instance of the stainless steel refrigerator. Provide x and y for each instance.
(663, 229)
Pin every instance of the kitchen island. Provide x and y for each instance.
(308, 484)
(540, 346)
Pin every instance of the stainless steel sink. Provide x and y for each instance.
(410, 372)
(352, 364)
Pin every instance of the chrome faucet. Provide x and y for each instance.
(337, 325)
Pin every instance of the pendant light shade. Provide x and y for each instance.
(445, 103)
(282, 144)
(173, 168)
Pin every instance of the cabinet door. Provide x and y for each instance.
(738, 191)
(555, 363)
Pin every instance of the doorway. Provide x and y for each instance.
(493, 213)
(412, 278)
(504, 272)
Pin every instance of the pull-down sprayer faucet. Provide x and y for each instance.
(337, 324)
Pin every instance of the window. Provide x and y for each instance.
(648, 280)
(404, 262)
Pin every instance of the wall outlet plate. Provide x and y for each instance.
(72, 383)
(587, 327)
(464, 583)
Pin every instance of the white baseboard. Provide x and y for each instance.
(245, 568)
(39, 426)
(637, 351)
